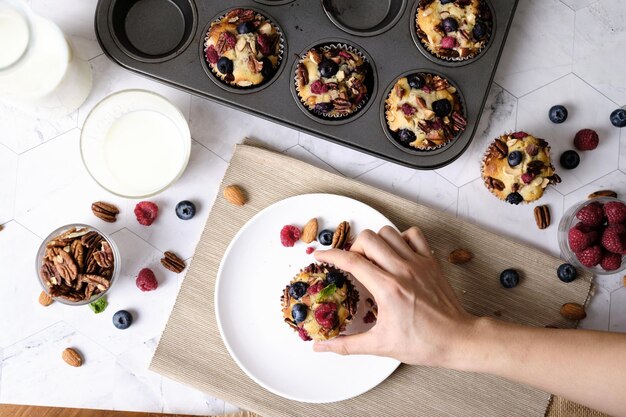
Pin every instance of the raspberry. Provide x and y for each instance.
(303, 334)
(146, 212)
(369, 318)
(289, 235)
(519, 135)
(408, 110)
(448, 42)
(591, 256)
(591, 215)
(211, 55)
(586, 140)
(527, 178)
(615, 212)
(326, 315)
(345, 55)
(230, 39)
(318, 87)
(614, 239)
(611, 262)
(315, 288)
(310, 250)
(265, 44)
(580, 240)
(146, 281)
(427, 89)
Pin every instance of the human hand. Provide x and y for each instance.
(420, 320)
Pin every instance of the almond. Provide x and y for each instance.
(72, 357)
(44, 299)
(460, 256)
(309, 232)
(573, 311)
(235, 195)
(602, 193)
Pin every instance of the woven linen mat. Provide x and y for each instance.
(191, 350)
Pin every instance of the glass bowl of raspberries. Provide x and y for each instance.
(592, 235)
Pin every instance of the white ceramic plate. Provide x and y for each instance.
(253, 273)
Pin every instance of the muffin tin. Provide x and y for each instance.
(132, 33)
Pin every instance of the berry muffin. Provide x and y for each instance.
(243, 48)
(332, 81)
(517, 168)
(454, 29)
(319, 302)
(424, 112)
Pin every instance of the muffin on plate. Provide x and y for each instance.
(517, 168)
(243, 48)
(319, 302)
(332, 80)
(424, 112)
(454, 30)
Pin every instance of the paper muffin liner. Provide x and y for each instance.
(220, 76)
(327, 47)
(429, 148)
(427, 46)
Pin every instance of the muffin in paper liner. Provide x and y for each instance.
(522, 177)
(463, 36)
(251, 45)
(417, 114)
(347, 88)
(326, 299)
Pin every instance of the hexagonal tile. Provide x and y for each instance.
(615, 181)
(199, 184)
(220, 128)
(72, 22)
(622, 150)
(498, 117)
(587, 109)
(298, 152)
(618, 311)
(347, 161)
(8, 175)
(539, 46)
(600, 36)
(20, 287)
(597, 311)
(425, 187)
(577, 4)
(479, 206)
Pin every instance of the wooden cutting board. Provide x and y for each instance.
(10, 410)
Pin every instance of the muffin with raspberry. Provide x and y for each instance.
(319, 302)
(517, 168)
(243, 48)
(333, 81)
(454, 29)
(424, 112)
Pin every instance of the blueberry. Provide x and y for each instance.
(442, 107)
(335, 277)
(515, 158)
(514, 198)
(449, 24)
(185, 210)
(446, 1)
(509, 278)
(618, 118)
(325, 237)
(558, 114)
(570, 159)
(479, 31)
(246, 27)
(416, 81)
(225, 65)
(298, 312)
(298, 289)
(567, 273)
(323, 108)
(268, 68)
(327, 68)
(122, 319)
(406, 137)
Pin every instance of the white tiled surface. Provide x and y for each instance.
(567, 52)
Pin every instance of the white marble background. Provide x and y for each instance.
(569, 52)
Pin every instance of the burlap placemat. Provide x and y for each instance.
(191, 350)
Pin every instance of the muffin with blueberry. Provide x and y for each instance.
(454, 29)
(424, 112)
(243, 48)
(333, 81)
(517, 168)
(319, 302)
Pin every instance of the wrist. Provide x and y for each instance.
(471, 351)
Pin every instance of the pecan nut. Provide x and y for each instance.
(341, 235)
(494, 184)
(104, 257)
(542, 216)
(172, 262)
(104, 211)
(602, 193)
(302, 75)
(91, 239)
(499, 149)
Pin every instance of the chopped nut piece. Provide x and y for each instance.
(44, 299)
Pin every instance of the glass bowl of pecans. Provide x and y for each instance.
(77, 264)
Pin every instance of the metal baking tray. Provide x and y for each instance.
(132, 34)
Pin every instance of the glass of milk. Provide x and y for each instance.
(135, 143)
(37, 64)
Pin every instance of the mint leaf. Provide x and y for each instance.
(99, 305)
(326, 292)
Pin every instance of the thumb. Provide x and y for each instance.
(356, 344)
